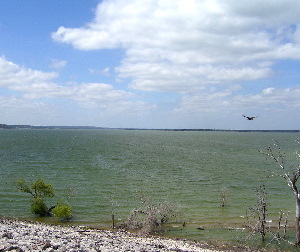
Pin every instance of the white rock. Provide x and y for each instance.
(30, 236)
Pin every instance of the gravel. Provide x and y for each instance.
(19, 235)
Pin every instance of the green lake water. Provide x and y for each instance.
(101, 172)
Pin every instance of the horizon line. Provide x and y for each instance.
(28, 126)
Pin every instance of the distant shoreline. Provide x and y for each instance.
(7, 126)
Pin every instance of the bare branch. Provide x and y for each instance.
(291, 178)
(279, 160)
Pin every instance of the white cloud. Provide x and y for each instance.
(105, 97)
(9, 103)
(281, 97)
(104, 72)
(84, 39)
(21, 78)
(206, 102)
(171, 44)
(37, 85)
(58, 64)
(172, 77)
(227, 102)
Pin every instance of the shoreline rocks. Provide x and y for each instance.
(19, 235)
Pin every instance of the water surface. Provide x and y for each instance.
(101, 172)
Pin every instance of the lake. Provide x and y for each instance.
(104, 172)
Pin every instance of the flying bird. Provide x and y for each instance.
(250, 118)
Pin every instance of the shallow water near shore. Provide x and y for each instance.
(105, 172)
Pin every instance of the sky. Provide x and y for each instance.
(151, 64)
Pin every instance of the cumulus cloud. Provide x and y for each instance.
(172, 77)
(37, 85)
(9, 103)
(228, 102)
(281, 97)
(21, 78)
(171, 44)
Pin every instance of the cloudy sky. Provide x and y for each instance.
(151, 63)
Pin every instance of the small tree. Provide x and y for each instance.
(260, 211)
(291, 175)
(39, 190)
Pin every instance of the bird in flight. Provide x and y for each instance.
(250, 118)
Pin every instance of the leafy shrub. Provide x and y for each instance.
(39, 190)
(39, 207)
(43, 189)
(62, 211)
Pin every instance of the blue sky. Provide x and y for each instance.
(150, 64)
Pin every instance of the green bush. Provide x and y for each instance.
(39, 207)
(39, 190)
(62, 211)
(42, 189)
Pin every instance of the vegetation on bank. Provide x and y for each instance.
(147, 219)
(150, 217)
(290, 172)
(40, 190)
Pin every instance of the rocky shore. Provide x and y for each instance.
(17, 235)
